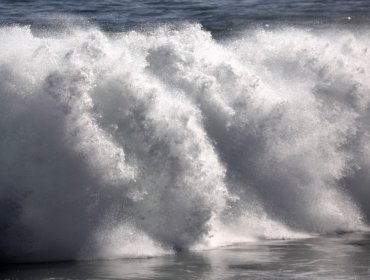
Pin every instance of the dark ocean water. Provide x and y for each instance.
(184, 139)
(219, 16)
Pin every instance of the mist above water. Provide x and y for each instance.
(144, 142)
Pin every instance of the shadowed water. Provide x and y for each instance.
(331, 257)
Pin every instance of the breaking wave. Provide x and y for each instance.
(144, 142)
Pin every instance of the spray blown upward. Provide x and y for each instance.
(136, 143)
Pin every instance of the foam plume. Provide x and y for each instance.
(141, 143)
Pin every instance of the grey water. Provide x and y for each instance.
(330, 257)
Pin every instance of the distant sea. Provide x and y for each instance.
(218, 16)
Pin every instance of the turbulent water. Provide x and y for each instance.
(146, 141)
(162, 138)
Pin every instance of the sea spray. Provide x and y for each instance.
(169, 139)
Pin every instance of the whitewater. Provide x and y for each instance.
(163, 139)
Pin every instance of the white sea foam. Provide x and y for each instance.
(138, 143)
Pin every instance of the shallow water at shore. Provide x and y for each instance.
(345, 256)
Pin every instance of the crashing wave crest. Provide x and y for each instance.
(133, 144)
